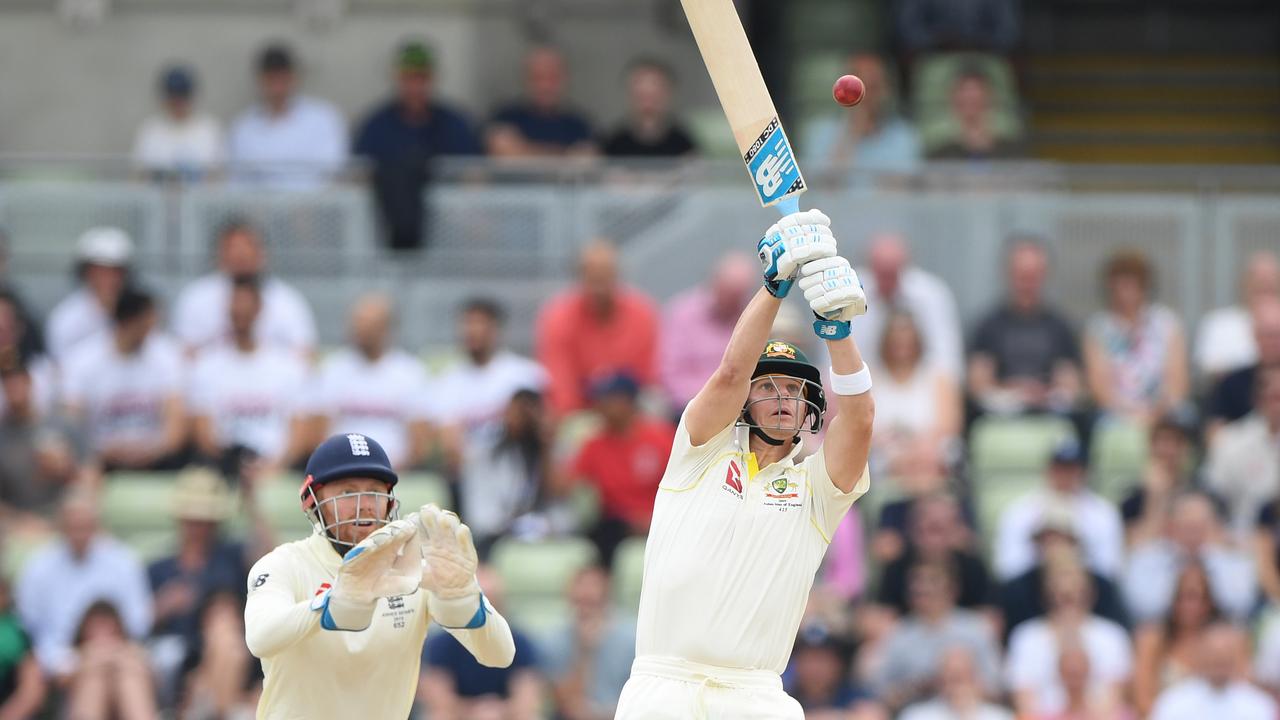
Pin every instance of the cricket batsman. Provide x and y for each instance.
(739, 526)
(338, 619)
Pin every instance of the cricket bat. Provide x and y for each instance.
(746, 103)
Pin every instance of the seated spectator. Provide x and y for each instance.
(21, 344)
(1221, 688)
(1024, 356)
(921, 475)
(918, 407)
(178, 143)
(650, 129)
(870, 137)
(62, 580)
(1233, 397)
(111, 678)
(1244, 460)
(455, 685)
(245, 394)
(22, 685)
(1023, 598)
(103, 256)
(818, 678)
(1170, 472)
(222, 679)
(930, 25)
(1035, 647)
(972, 110)
(403, 136)
(542, 124)
(39, 454)
(893, 283)
(388, 403)
(908, 662)
(589, 659)
(201, 314)
(125, 390)
(1083, 701)
(624, 462)
(1097, 523)
(960, 696)
(1195, 536)
(473, 391)
(697, 323)
(1225, 341)
(287, 140)
(937, 535)
(1134, 353)
(1166, 651)
(596, 329)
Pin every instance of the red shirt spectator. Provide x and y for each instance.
(594, 330)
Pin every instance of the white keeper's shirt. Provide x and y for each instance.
(365, 675)
(732, 552)
(123, 396)
(251, 397)
(378, 398)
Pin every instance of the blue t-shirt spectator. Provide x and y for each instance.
(224, 569)
(559, 128)
(471, 679)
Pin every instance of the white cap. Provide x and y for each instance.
(105, 246)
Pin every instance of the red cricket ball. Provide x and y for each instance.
(848, 90)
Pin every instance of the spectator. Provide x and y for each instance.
(112, 678)
(1166, 650)
(1233, 397)
(697, 324)
(1244, 461)
(474, 391)
(1225, 342)
(454, 685)
(1170, 472)
(222, 679)
(245, 394)
(1195, 536)
(1082, 700)
(922, 476)
(388, 403)
(125, 390)
(1024, 356)
(650, 129)
(201, 314)
(22, 686)
(1134, 352)
(20, 344)
(39, 455)
(505, 480)
(404, 136)
(1097, 522)
(893, 283)
(937, 535)
(178, 143)
(929, 25)
(1220, 689)
(818, 678)
(62, 580)
(973, 108)
(871, 137)
(917, 405)
(23, 330)
(909, 661)
(960, 693)
(624, 462)
(103, 255)
(588, 660)
(542, 124)
(1032, 663)
(287, 141)
(596, 329)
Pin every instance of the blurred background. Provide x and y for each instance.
(509, 241)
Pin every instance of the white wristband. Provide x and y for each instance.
(852, 384)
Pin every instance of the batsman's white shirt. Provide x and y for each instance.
(315, 673)
(733, 550)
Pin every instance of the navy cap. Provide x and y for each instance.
(616, 384)
(346, 456)
(177, 81)
(1068, 452)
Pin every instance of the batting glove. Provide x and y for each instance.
(385, 564)
(795, 239)
(835, 295)
(449, 574)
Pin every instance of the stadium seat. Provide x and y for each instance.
(279, 502)
(1014, 446)
(993, 495)
(137, 502)
(535, 576)
(417, 489)
(711, 133)
(1117, 455)
(628, 572)
(573, 431)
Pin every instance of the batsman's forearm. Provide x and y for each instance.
(749, 336)
(845, 356)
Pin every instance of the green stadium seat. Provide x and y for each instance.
(1118, 454)
(417, 489)
(137, 502)
(279, 502)
(573, 431)
(711, 133)
(628, 573)
(535, 576)
(994, 494)
(1014, 446)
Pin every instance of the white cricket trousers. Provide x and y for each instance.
(667, 688)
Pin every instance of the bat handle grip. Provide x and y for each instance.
(789, 205)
